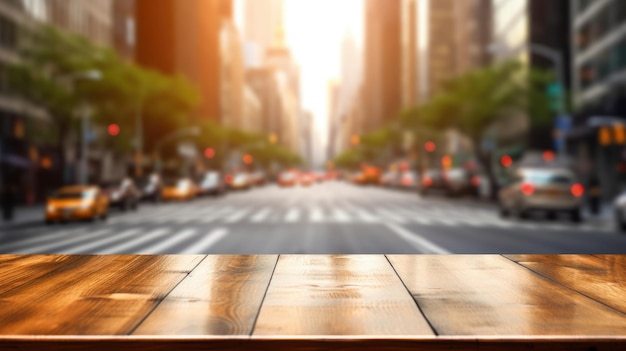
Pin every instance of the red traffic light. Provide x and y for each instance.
(209, 153)
(430, 146)
(548, 156)
(506, 161)
(113, 129)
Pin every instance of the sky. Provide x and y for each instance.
(314, 30)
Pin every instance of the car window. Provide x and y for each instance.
(547, 178)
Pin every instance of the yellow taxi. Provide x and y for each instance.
(77, 203)
(179, 189)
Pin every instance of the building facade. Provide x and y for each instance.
(382, 62)
(263, 24)
(183, 37)
(124, 28)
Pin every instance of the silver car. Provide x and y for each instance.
(550, 190)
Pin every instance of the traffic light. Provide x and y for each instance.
(113, 129)
(209, 153)
(356, 140)
(430, 146)
(506, 161)
(446, 162)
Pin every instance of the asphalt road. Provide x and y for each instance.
(323, 219)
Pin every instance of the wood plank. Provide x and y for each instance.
(24, 269)
(310, 344)
(222, 296)
(92, 295)
(338, 295)
(602, 278)
(491, 295)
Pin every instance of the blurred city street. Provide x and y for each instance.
(332, 217)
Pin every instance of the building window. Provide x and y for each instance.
(8, 33)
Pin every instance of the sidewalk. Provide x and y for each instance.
(24, 216)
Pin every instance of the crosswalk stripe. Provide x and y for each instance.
(261, 215)
(237, 216)
(162, 247)
(87, 247)
(391, 216)
(419, 242)
(316, 215)
(292, 215)
(138, 241)
(70, 241)
(216, 214)
(207, 242)
(340, 215)
(55, 235)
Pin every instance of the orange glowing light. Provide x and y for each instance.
(548, 156)
(506, 161)
(113, 129)
(248, 159)
(430, 146)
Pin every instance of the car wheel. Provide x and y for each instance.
(576, 216)
(49, 222)
(551, 215)
(104, 216)
(125, 205)
(136, 205)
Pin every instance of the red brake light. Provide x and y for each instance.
(475, 180)
(577, 190)
(427, 182)
(528, 189)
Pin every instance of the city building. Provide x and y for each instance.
(124, 28)
(92, 19)
(183, 37)
(382, 75)
(252, 111)
(410, 53)
(263, 21)
(308, 138)
(232, 76)
(264, 83)
(334, 119)
(598, 74)
(510, 32)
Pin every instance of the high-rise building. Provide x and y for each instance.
(382, 64)
(510, 32)
(183, 37)
(92, 19)
(264, 83)
(598, 72)
(232, 76)
(410, 53)
(263, 26)
(473, 29)
(124, 28)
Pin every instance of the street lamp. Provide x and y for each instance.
(90, 75)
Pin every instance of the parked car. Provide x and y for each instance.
(211, 183)
(389, 179)
(408, 180)
(77, 203)
(182, 189)
(151, 187)
(123, 194)
(460, 181)
(240, 181)
(432, 180)
(287, 179)
(258, 178)
(550, 190)
(306, 179)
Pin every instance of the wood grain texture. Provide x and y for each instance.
(490, 295)
(602, 278)
(338, 295)
(20, 270)
(313, 344)
(92, 295)
(222, 296)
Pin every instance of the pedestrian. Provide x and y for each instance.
(595, 194)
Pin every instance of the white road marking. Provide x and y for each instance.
(261, 215)
(316, 215)
(340, 215)
(138, 241)
(420, 243)
(207, 242)
(85, 248)
(79, 238)
(237, 216)
(164, 247)
(293, 215)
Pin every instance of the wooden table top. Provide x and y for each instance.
(389, 302)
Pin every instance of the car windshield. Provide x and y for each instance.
(549, 178)
(74, 195)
